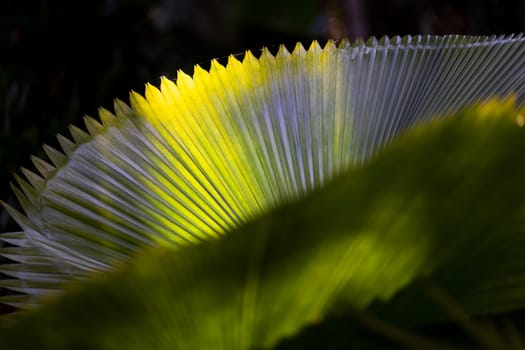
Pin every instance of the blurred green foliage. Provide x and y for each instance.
(321, 260)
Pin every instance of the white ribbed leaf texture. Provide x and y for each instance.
(200, 157)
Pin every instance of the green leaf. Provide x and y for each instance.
(199, 157)
(419, 206)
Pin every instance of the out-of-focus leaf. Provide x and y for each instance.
(435, 195)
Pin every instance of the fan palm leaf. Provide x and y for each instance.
(206, 155)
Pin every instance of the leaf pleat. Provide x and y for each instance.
(201, 156)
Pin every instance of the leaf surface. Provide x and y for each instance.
(421, 205)
(200, 157)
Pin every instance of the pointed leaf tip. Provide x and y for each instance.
(299, 49)
(372, 41)
(79, 135)
(56, 157)
(314, 47)
(138, 103)
(25, 202)
(216, 66)
(122, 109)
(93, 127)
(34, 179)
(29, 191)
(384, 40)
(166, 84)
(266, 55)
(152, 93)
(249, 58)
(283, 51)
(330, 44)
(42, 166)
(106, 117)
(66, 144)
(184, 80)
(233, 62)
(19, 218)
(199, 71)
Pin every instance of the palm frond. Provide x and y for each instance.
(202, 156)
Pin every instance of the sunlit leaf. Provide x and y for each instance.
(434, 196)
(204, 155)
